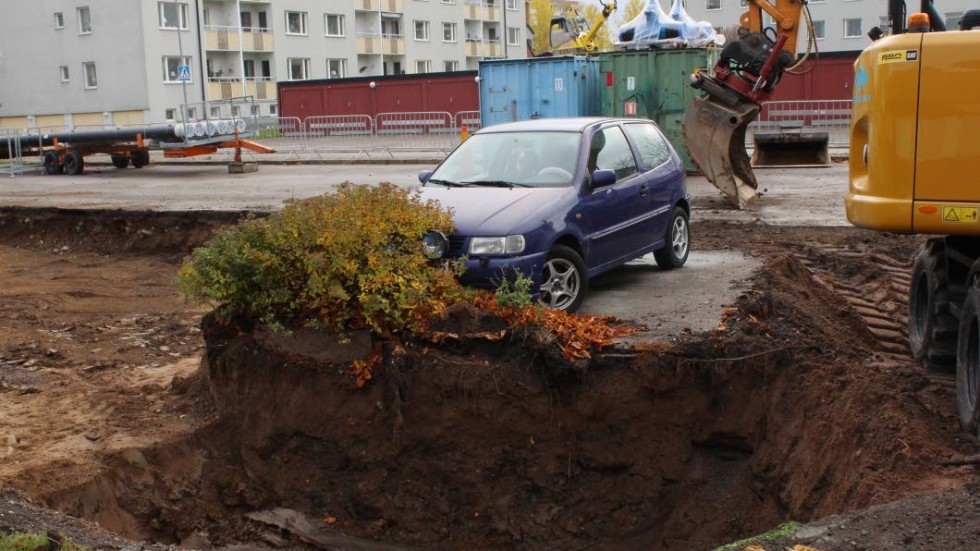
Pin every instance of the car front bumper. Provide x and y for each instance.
(488, 271)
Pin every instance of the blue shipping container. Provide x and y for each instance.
(542, 87)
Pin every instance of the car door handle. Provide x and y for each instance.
(644, 190)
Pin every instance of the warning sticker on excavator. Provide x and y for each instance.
(896, 56)
(960, 215)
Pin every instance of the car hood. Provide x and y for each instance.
(499, 211)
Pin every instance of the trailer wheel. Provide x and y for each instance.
(968, 363)
(120, 161)
(141, 158)
(932, 328)
(52, 164)
(74, 163)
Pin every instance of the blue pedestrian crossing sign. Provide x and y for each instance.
(184, 73)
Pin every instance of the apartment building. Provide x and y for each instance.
(839, 25)
(104, 62)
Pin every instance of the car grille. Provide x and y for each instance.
(457, 246)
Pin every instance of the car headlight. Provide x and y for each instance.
(481, 246)
(434, 244)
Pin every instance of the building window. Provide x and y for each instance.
(248, 65)
(745, 3)
(334, 24)
(953, 20)
(170, 114)
(84, 20)
(215, 112)
(59, 20)
(254, 110)
(512, 5)
(513, 36)
(299, 68)
(423, 66)
(819, 29)
(449, 32)
(173, 16)
(273, 109)
(712, 5)
(450, 66)
(236, 111)
(65, 77)
(336, 68)
(296, 22)
(88, 69)
(191, 113)
(448, 1)
(852, 28)
(171, 67)
(421, 30)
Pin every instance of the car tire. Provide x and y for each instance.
(932, 327)
(677, 241)
(563, 282)
(52, 164)
(120, 161)
(968, 363)
(74, 163)
(141, 158)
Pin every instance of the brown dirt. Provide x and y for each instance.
(800, 405)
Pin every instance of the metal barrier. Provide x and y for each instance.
(430, 131)
(284, 134)
(831, 116)
(347, 133)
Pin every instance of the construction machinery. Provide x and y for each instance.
(573, 34)
(914, 154)
(747, 72)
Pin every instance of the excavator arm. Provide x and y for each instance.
(746, 74)
(568, 36)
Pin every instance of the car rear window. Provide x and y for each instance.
(651, 145)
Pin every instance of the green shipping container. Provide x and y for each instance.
(654, 84)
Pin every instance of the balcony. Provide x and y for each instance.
(483, 48)
(231, 87)
(253, 39)
(482, 10)
(368, 43)
(393, 44)
(391, 6)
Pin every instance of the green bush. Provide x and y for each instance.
(344, 261)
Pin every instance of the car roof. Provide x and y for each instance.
(577, 124)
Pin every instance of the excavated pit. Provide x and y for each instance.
(794, 408)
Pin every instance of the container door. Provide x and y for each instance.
(501, 86)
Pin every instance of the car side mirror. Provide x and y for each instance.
(425, 175)
(603, 177)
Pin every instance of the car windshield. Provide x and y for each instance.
(506, 159)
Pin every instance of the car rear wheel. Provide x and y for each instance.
(677, 242)
(563, 284)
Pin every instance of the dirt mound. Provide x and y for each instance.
(110, 231)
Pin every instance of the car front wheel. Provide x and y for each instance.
(563, 282)
(677, 241)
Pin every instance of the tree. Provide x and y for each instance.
(593, 15)
(632, 9)
(541, 13)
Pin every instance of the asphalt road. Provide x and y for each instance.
(668, 303)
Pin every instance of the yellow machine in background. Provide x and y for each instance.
(915, 168)
(573, 34)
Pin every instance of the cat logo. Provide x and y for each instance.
(898, 56)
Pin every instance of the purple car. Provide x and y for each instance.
(561, 201)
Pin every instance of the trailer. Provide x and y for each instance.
(65, 152)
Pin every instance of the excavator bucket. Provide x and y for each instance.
(714, 133)
(791, 149)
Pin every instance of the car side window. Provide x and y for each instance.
(653, 149)
(610, 150)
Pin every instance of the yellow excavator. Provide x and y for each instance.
(913, 169)
(748, 70)
(573, 34)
